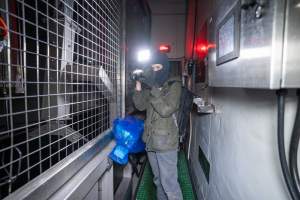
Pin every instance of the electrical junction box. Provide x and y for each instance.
(257, 44)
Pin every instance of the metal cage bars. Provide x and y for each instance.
(61, 82)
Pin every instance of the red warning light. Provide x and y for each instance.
(165, 48)
(202, 49)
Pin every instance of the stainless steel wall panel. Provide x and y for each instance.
(291, 56)
(268, 46)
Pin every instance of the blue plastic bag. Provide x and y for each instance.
(119, 154)
(127, 133)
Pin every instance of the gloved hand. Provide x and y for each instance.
(138, 86)
(156, 92)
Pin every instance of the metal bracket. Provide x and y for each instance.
(203, 107)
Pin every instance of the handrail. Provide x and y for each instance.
(47, 183)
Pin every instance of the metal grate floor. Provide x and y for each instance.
(146, 189)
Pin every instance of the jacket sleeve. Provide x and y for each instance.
(167, 104)
(141, 99)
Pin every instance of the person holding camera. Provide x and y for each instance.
(161, 101)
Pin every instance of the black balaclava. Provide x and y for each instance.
(161, 76)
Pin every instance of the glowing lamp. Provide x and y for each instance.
(143, 55)
(165, 48)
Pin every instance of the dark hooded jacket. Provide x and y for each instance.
(161, 132)
(161, 105)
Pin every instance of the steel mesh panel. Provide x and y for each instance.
(59, 82)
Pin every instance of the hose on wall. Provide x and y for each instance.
(293, 152)
(281, 147)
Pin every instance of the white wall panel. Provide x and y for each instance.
(168, 25)
(242, 152)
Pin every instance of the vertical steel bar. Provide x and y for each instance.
(123, 58)
(48, 83)
(58, 69)
(10, 94)
(38, 85)
(25, 88)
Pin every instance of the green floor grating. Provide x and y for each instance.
(147, 191)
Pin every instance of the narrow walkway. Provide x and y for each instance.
(146, 189)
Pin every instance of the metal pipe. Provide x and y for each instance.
(281, 147)
(293, 152)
